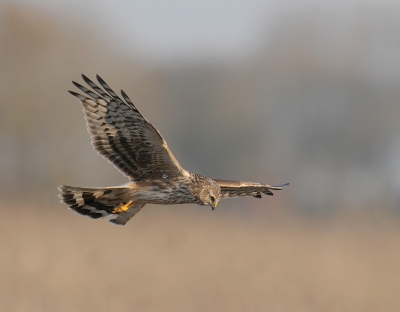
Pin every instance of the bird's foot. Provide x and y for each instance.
(123, 207)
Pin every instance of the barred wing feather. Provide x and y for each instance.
(240, 188)
(122, 135)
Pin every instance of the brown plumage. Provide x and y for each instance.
(127, 140)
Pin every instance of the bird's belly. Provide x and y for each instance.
(164, 194)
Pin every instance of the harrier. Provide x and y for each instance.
(126, 139)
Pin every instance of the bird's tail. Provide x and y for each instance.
(98, 202)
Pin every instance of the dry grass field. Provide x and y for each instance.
(189, 259)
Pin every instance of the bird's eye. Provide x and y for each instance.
(212, 199)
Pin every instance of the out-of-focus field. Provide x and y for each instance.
(190, 259)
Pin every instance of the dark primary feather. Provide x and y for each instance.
(278, 187)
(95, 88)
(122, 135)
(240, 188)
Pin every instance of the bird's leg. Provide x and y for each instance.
(123, 207)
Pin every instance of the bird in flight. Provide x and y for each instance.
(121, 134)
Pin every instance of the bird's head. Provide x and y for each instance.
(211, 194)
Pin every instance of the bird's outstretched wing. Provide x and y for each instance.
(240, 188)
(123, 136)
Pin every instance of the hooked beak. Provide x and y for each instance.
(214, 206)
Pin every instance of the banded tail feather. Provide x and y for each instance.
(98, 202)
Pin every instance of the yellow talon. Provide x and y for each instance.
(123, 207)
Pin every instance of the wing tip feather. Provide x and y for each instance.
(86, 79)
(100, 80)
(77, 84)
(79, 96)
(279, 187)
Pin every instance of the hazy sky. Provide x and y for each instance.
(177, 28)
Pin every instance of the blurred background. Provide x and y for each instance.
(305, 92)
